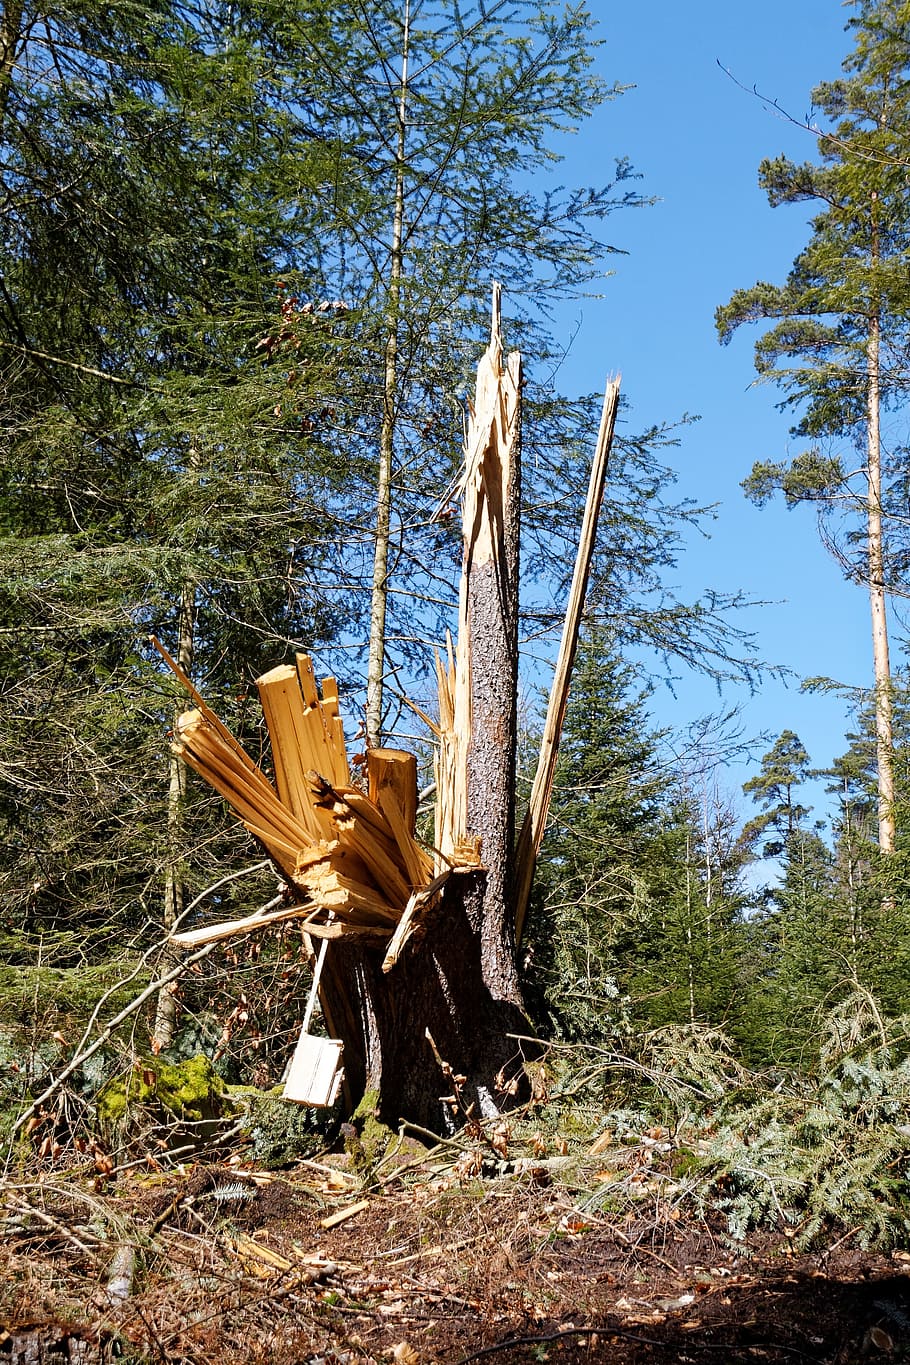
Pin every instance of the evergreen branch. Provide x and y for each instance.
(34, 354)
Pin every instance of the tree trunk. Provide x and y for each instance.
(166, 1009)
(10, 25)
(884, 740)
(380, 594)
(460, 982)
(444, 986)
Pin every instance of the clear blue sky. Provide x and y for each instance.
(697, 139)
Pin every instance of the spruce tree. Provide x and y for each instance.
(146, 481)
(592, 891)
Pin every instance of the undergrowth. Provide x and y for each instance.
(814, 1154)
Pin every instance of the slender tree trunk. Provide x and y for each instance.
(379, 600)
(884, 740)
(10, 25)
(166, 1010)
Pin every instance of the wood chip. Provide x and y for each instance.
(344, 1214)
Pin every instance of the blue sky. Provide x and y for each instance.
(697, 139)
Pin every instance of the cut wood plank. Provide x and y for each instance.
(344, 1214)
(532, 829)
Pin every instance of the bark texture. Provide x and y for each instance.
(440, 984)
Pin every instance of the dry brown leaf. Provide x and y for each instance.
(404, 1354)
(499, 1139)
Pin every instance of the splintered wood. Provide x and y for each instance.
(351, 861)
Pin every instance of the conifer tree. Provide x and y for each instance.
(839, 324)
(146, 483)
(592, 884)
(784, 767)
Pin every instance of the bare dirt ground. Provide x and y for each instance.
(213, 1265)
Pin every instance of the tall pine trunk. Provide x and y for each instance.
(884, 738)
(380, 594)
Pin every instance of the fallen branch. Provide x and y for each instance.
(561, 1335)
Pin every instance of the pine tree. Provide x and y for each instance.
(838, 328)
(784, 767)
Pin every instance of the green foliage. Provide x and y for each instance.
(808, 476)
(279, 1132)
(592, 879)
(835, 333)
(829, 1152)
(784, 767)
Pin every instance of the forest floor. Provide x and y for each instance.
(217, 1264)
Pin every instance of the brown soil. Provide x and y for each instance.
(238, 1267)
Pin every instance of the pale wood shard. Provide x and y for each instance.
(392, 777)
(336, 848)
(307, 676)
(312, 927)
(298, 744)
(418, 864)
(532, 829)
(202, 706)
(335, 732)
(417, 908)
(451, 804)
(216, 933)
(243, 786)
(344, 1214)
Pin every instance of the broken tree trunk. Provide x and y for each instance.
(419, 980)
(532, 830)
(457, 996)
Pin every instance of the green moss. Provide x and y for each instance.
(189, 1092)
(366, 1139)
(376, 1137)
(685, 1162)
